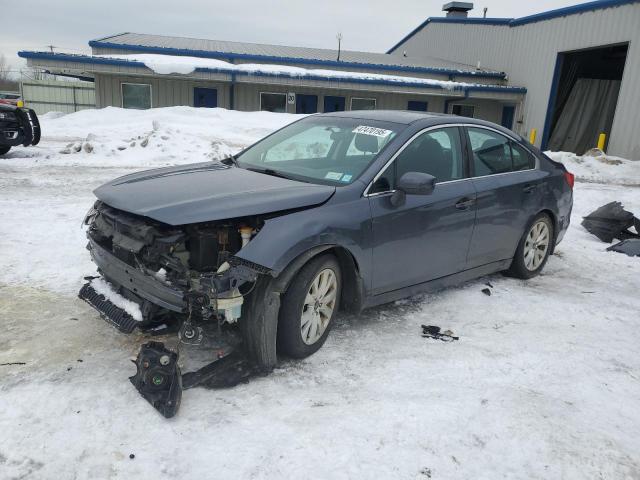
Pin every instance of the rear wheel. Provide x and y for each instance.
(4, 149)
(534, 248)
(309, 307)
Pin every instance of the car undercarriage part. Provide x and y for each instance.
(630, 247)
(612, 221)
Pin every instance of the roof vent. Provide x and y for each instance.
(457, 9)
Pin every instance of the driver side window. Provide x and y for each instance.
(436, 152)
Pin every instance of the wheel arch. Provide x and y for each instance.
(352, 282)
(554, 222)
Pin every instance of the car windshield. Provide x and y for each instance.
(326, 150)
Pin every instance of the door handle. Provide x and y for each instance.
(465, 203)
(529, 188)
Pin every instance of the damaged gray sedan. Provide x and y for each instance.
(339, 211)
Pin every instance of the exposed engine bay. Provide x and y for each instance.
(184, 279)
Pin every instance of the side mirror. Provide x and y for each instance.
(413, 183)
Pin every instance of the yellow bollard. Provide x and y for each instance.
(532, 136)
(601, 139)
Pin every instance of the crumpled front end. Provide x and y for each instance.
(162, 274)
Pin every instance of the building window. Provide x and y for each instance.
(273, 102)
(463, 110)
(363, 103)
(417, 106)
(136, 95)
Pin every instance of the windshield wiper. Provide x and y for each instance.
(273, 173)
(231, 159)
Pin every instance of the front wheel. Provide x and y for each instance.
(4, 149)
(309, 307)
(534, 248)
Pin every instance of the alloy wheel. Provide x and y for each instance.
(318, 306)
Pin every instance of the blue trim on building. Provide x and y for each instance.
(64, 57)
(230, 57)
(516, 22)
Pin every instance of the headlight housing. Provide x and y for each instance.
(7, 116)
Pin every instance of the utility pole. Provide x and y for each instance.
(51, 47)
(339, 37)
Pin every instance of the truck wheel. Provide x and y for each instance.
(534, 248)
(309, 307)
(4, 149)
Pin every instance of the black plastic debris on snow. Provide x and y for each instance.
(629, 247)
(433, 331)
(612, 221)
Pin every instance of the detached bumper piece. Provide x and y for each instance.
(158, 378)
(630, 247)
(110, 312)
(160, 382)
(612, 221)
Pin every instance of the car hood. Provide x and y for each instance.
(204, 192)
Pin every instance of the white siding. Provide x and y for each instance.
(528, 54)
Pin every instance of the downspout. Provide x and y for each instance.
(232, 92)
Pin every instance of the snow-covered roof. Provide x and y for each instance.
(226, 50)
(176, 64)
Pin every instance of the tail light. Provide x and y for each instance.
(570, 178)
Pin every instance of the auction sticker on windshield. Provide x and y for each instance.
(376, 132)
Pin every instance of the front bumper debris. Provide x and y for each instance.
(158, 378)
(113, 314)
(141, 284)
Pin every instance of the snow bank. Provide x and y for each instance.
(600, 168)
(167, 64)
(146, 138)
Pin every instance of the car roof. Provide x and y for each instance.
(423, 119)
(397, 116)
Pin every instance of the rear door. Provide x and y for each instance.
(509, 193)
(428, 236)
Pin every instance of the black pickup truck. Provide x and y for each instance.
(18, 126)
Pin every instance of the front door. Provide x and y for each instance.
(509, 194)
(508, 113)
(306, 103)
(205, 97)
(428, 236)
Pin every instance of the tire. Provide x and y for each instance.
(303, 327)
(534, 248)
(4, 149)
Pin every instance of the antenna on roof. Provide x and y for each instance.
(339, 38)
(484, 15)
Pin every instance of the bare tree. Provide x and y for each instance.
(6, 80)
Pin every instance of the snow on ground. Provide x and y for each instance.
(544, 382)
(600, 168)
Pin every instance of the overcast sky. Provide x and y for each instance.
(371, 25)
